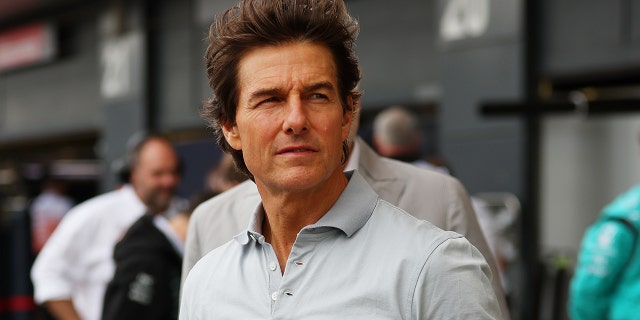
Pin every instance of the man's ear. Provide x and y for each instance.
(231, 134)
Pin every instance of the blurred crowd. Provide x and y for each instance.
(110, 256)
(119, 255)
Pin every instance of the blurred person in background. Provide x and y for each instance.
(498, 215)
(220, 219)
(224, 175)
(72, 271)
(146, 281)
(180, 222)
(397, 135)
(148, 259)
(46, 212)
(606, 281)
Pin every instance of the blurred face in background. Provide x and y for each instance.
(155, 176)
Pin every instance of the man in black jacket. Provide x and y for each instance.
(146, 283)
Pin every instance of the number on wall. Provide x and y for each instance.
(464, 19)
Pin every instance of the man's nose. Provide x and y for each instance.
(295, 121)
(170, 179)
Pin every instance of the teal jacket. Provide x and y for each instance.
(606, 283)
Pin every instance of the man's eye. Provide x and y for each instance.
(318, 96)
(269, 100)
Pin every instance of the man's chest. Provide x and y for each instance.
(322, 280)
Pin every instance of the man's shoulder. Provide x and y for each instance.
(422, 185)
(145, 241)
(104, 207)
(244, 189)
(96, 204)
(123, 195)
(142, 233)
(399, 224)
(374, 167)
(225, 253)
(228, 202)
(625, 206)
(415, 173)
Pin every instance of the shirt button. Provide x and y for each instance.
(274, 296)
(272, 266)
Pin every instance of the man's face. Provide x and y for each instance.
(290, 123)
(155, 177)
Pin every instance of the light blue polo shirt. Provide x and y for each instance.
(364, 259)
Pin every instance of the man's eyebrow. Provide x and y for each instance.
(262, 93)
(259, 94)
(320, 85)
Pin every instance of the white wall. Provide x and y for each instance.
(585, 163)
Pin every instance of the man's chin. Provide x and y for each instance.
(160, 205)
(160, 199)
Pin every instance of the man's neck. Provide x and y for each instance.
(287, 213)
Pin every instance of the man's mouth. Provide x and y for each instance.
(296, 149)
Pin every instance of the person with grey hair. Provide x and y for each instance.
(320, 244)
(396, 128)
(397, 135)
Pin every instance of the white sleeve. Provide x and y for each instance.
(59, 265)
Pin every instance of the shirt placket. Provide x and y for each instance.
(290, 287)
(275, 275)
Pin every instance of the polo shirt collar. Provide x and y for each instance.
(254, 230)
(350, 212)
(353, 208)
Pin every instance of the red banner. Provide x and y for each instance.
(26, 45)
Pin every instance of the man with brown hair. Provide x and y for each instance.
(321, 244)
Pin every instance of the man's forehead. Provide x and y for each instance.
(156, 151)
(266, 68)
